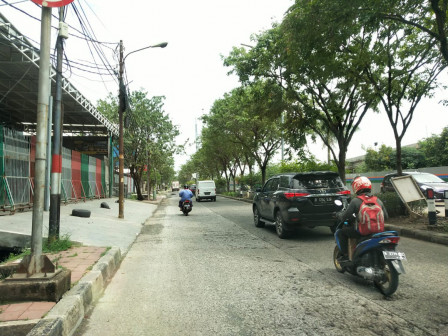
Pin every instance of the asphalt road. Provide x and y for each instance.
(214, 273)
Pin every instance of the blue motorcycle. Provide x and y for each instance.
(373, 258)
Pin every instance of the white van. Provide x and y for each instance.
(206, 190)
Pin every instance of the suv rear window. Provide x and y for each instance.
(316, 182)
(284, 182)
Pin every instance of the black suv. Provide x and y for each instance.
(291, 200)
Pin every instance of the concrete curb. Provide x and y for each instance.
(433, 237)
(68, 313)
(429, 236)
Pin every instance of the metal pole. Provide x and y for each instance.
(56, 166)
(120, 140)
(48, 164)
(41, 142)
(111, 166)
(148, 180)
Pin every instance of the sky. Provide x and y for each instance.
(189, 72)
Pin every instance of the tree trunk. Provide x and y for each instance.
(341, 162)
(398, 150)
(137, 183)
(263, 174)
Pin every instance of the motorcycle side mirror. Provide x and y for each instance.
(338, 202)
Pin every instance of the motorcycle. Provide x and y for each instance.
(186, 207)
(373, 258)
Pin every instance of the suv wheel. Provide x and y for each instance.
(257, 218)
(280, 226)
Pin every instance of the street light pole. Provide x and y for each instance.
(121, 108)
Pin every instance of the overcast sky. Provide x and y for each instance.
(189, 71)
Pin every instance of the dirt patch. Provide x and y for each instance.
(420, 223)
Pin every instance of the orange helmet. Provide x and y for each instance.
(360, 183)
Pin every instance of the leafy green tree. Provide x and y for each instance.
(427, 16)
(411, 158)
(379, 160)
(248, 116)
(403, 67)
(435, 149)
(149, 139)
(326, 88)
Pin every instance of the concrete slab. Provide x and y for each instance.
(102, 228)
(51, 289)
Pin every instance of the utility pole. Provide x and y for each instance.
(121, 107)
(56, 166)
(35, 262)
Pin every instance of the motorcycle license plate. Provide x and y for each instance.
(394, 255)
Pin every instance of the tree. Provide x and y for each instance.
(149, 137)
(379, 160)
(326, 88)
(427, 16)
(249, 117)
(435, 149)
(403, 68)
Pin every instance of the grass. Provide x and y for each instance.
(62, 244)
(231, 193)
(104, 253)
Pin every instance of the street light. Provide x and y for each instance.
(121, 107)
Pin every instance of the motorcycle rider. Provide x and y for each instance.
(185, 194)
(361, 185)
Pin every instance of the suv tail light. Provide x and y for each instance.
(290, 195)
(344, 192)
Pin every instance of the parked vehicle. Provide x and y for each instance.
(206, 190)
(292, 200)
(193, 189)
(373, 258)
(175, 186)
(186, 207)
(423, 180)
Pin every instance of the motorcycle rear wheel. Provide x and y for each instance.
(337, 254)
(389, 284)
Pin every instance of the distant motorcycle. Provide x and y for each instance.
(373, 258)
(186, 207)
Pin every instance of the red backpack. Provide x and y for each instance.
(370, 216)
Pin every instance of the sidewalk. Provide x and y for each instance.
(91, 264)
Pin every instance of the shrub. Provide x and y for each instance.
(61, 244)
(393, 204)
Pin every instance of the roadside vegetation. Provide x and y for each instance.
(316, 75)
(62, 244)
(149, 139)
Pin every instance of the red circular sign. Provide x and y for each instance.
(52, 3)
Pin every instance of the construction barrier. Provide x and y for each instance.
(83, 177)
